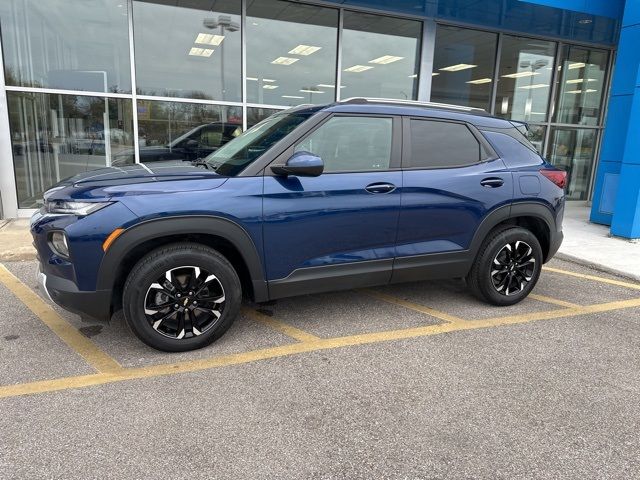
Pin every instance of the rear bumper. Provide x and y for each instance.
(63, 292)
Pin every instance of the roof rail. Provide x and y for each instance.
(356, 100)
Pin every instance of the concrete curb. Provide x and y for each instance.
(596, 266)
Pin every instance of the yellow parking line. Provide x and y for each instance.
(413, 306)
(67, 333)
(554, 301)
(619, 283)
(279, 325)
(302, 347)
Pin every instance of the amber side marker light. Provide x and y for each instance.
(111, 238)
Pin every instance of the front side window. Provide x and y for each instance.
(351, 144)
(436, 144)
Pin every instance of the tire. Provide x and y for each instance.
(181, 297)
(507, 267)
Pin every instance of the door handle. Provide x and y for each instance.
(492, 182)
(380, 187)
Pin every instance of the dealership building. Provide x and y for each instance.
(92, 83)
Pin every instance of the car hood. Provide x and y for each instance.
(134, 180)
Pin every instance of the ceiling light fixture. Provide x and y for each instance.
(385, 59)
(458, 67)
(200, 52)
(270, 87)
(357, 69)
(576, 65)
(304, 50)
(209, 39)
(326, 85)
(588, 90)
(435, 74)
(284, 61)
(415, 75)
(520, 75)
(291, 96)
(580, 80)
(311, 90)
(480, 81)
(535, 85)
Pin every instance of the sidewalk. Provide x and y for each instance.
(584, 243)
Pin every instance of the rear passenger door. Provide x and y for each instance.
(451, 180)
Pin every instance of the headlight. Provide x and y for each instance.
(59, 243)
(74, 208)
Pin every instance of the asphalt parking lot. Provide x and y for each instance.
(407, 381)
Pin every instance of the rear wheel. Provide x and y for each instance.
(507, 267)
(181, 297)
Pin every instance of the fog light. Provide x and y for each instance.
(59, 244)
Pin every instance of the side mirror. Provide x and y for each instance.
(302, 164)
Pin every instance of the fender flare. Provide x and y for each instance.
(507, 212)
(183, 225)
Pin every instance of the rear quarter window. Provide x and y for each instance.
(512, 151)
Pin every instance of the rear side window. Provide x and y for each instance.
(437, 144)
(351, 144)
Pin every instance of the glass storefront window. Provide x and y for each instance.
(56, 136)
(463, 67)
(572, 149)
(581, 86)
(380, 56)
(256, 114)
(184, 50)
(291, 53)
(66, 44)
(536, 136)
(179, 131)
(524, 79)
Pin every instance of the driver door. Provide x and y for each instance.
(336, 230)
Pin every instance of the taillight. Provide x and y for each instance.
(559, 177)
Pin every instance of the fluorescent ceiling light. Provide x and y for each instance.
(580, 80)
(458, 67)
(284, 61)
(357, 68)
(266, 80)
(576, 65)
(535, 85)
(253, 79)
(304, 50)
(588, 90)
(209, 39)
(435, 74)
(479, 81)
(291, 96)
(520, 75)
(326, 85)
(200, 52)
(383, 60)
(270, 87)
(415, 75)
(310, 90)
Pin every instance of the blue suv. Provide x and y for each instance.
(357, 193)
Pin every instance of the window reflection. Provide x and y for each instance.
(463, 67)
(184, 50)
(524, 81)
(179, 131)
(535, 135)
(572, 149)
(380, 56)
(56, 136)
(581, 85)
(291, 53)
(66, 44)
(255, 114)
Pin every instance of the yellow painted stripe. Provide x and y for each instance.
(296, 348)
(279, 325)
(413, 306)
(553, 301)
(67, 333)
(619, 283)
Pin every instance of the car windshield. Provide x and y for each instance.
(239, 153)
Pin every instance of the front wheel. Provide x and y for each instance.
(181, 297)
(507, 267)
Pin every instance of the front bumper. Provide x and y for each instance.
(63, 292)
